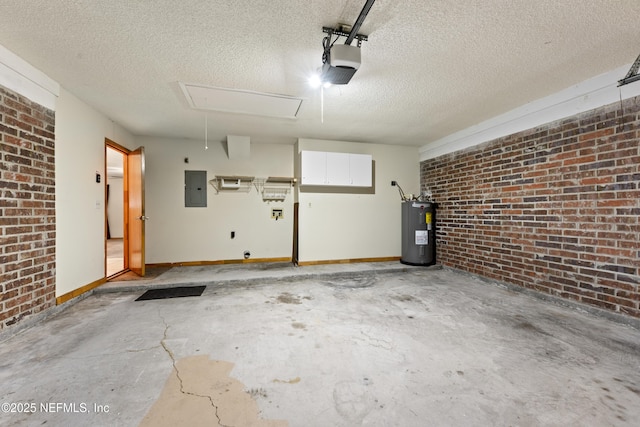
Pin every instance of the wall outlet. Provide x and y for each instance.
(277, 213)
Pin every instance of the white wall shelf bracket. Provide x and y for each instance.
(240, 184)
(274, 188)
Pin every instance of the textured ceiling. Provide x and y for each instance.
(430, 68)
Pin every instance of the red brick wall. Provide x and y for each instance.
(27, 208)
(555, 209)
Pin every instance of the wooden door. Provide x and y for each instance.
(136, 213)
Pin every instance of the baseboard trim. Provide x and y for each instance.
(349, 261)
(77, 292)
(219, 262)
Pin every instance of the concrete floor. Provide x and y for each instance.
(345, 345)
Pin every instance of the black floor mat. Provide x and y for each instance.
(178, 292)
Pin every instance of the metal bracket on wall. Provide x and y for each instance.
(240, 184)
(632, 75)
(271, 188)
(274, 188)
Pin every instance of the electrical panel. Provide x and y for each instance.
(195, 189)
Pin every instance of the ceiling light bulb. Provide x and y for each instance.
(315, 81)
(326, 85)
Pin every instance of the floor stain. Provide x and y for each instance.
(353, 401)
(287, 298)
(633, 389)
(295, 380)
(298, 325)
(258, 392)
(200, 392)
(352, 283)
(529, 327)
(404, 298)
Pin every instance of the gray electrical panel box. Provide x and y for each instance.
(195, 189)
(418, 233)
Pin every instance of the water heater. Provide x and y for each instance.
(418, 233)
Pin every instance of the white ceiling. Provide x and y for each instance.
(430, 67)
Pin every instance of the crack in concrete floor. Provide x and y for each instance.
(205, 380)
(163, 343)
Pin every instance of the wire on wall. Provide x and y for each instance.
(321, 104)
(206, 128)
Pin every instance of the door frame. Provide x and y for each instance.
(109, 144)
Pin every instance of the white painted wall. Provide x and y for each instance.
(351, 226)
(79, 151)
(80, 212)
(115, 207)
(178, 234)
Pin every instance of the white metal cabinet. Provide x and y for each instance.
(314, 167)
(360, 166)
(336, 169)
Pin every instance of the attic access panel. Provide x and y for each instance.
(209, 98)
